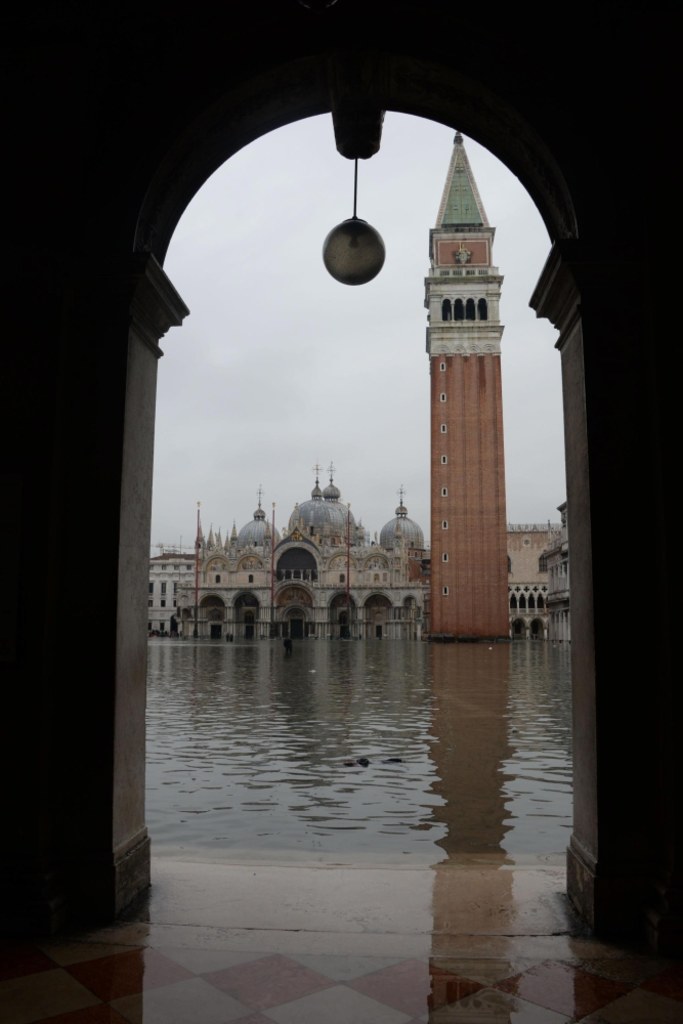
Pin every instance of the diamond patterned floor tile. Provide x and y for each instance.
(268, 981)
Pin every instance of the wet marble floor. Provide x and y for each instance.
(302, 944)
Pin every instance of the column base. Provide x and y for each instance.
(625, 904)
(32, 900)
(36, 899)
(102, 891)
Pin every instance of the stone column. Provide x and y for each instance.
(78, 847)
(624, 860)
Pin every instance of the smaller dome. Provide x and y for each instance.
(402, 528)
(257, 532)
(331, 492)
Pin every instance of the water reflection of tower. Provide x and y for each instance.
(470, 686)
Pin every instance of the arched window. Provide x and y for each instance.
(522, 601)
(513, 602)
(446, 311)
(482, 309)
(509, 564)
(540, 602)
(469, 310)
(458, 310)
(543, 563)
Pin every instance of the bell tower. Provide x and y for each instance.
(468, 590)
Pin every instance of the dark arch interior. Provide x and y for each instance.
(118, 115)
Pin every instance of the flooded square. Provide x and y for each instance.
(359, 752)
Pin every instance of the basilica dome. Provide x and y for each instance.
(257, 532)
(323, 515)
(408, 530)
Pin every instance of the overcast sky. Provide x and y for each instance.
(279, 367)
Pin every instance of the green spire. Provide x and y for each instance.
(461, 203)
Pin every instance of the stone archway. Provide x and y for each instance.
(343, 616)
(211, 617)
(185, 169)
(294, 611)
(97, 321)
(377, 611)
(245, 616)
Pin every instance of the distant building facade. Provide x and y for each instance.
(323, 578)
(528, 579)
(557, 559)
(167, 571)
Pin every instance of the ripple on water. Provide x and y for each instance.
(482, 747)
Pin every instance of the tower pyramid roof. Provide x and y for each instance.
(460, 203)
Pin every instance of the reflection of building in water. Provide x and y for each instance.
(469, 724)
(321, 578)
(471, 691)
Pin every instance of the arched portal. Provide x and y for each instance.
(89, 242)
(294, 611)
(211, 617)
(377, 610)
(343, 616)
(246, 612)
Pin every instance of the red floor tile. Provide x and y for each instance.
(668, 982)
(267, 982)
(448, 988)
(564, 988)
(21, 959)
(101, 1014)
(405, 986)
(125, 974)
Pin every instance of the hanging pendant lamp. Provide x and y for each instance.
(353, 251)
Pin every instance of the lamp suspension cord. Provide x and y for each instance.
(355, 186)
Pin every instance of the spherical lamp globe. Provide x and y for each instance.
(354, 252)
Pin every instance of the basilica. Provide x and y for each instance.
(321, 578)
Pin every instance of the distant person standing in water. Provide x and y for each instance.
(288, 645)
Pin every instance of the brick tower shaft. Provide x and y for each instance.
(468, 590)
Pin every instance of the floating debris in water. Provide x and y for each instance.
(365, 761)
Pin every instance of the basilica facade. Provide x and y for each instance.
(321, 578)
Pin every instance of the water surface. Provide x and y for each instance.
(252, 754)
